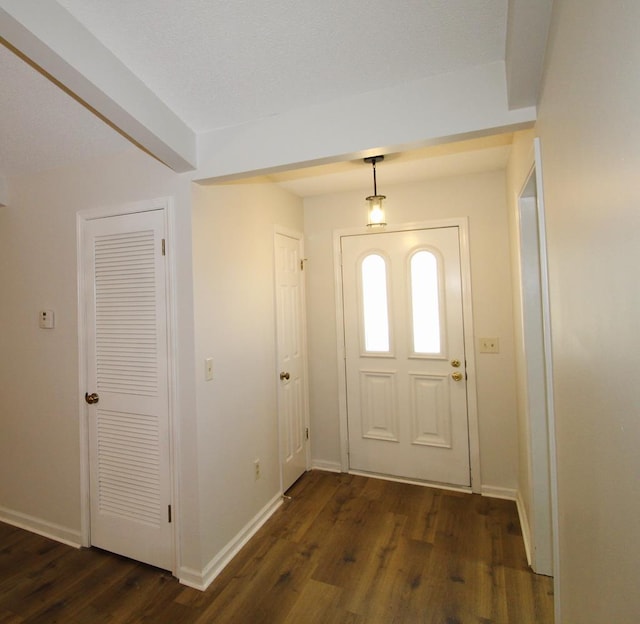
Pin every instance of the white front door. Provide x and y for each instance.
(292, 401)
(124, 276)
(405, 355)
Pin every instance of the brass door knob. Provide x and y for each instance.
(91, 398)
(457, 376)
(455, 363)
(284, 376)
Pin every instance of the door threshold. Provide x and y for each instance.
(431, 484)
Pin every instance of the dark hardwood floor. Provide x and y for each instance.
(344, 549)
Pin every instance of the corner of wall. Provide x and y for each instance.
(201, 579)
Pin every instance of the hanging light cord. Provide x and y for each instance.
(375, 187)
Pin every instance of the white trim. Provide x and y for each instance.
(494, 491)
(548, 353)
(341, 350)
(202, 580)
(172, 371)
(166, 204)
(462, 223)
(470, 355)
(53, 531)
(326, 466)
(491, 491)
(542, 466)
(85, 508)
(524, 526)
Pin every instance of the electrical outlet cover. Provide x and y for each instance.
(489, 345)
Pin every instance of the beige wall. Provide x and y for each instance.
(480, 197)
(40, 401)
(590, 133)
(233, 258)
(223, 425)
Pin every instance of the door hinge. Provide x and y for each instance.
(164, 247)
(168, 513)
(306, 433)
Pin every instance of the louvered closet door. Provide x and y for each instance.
(128, 426)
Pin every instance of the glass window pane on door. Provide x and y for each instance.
(425, 303)
(374, 304)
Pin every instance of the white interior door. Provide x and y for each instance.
(292, 401)
(127, 394)
(405, 355)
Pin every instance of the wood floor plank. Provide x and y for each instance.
(343, 549)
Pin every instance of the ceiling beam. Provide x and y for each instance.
(51, 39)
(459, 105)
(527, 31)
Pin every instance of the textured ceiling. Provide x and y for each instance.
(219, 62)
(41, 127)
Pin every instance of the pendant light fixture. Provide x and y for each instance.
(375, 209)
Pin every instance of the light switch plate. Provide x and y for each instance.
(46, 319)
(208, 369)
(489, 345)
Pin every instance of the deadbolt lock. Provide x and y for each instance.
(455, 363)
(457, 376)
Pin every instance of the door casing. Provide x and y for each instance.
(542, 543)
(165, 204)
(467, 311)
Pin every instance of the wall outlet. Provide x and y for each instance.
(489, 345)
(256, 468)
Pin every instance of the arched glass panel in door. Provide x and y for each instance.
(425, 303)
(375, 305)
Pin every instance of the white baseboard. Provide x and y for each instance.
(42, 527)
(493, 491)
(514, 495)
(524, 526)
(202, 579)
(327, 466)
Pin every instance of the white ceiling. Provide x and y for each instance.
(439, 161)
(218, 63)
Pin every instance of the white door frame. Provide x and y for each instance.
(299, 236)
(543, 465)
(467, 314)
(166, 204)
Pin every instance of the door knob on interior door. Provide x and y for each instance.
(91, 398)
(284, 376)
(457, 376)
